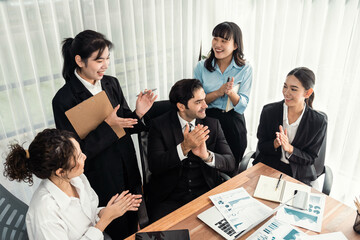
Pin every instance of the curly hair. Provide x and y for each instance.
(50, 150)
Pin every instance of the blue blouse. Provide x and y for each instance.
(212, 81)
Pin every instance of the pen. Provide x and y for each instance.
(228, 80)
(277, 185)
(145, 92)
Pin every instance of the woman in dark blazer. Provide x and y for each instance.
(111, 165)
(291, 132)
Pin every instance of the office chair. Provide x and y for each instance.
(12, 216)
(158, 108)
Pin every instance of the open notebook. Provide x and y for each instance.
(266, 189)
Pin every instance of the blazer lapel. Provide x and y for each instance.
(175, 125)
(80, 91)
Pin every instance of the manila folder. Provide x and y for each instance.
(89, 114)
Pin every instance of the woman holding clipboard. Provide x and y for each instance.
(227, 78)
(111, 165)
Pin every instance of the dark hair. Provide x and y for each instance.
(50, 150)
(183, 91)
(84, 44)
(228, 30)
(307, 79)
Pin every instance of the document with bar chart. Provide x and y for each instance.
(311, 218)
(275, 229)
(239, 208)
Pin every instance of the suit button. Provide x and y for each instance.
(190, 181)
(190, 163)
(189, 190)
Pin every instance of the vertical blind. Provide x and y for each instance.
(157, 42)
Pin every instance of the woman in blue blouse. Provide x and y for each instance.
(227, 78)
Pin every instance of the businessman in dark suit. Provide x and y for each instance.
(186, 151)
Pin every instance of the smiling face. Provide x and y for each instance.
(294, 92)
(196, 106)
(79, 161)
(223, 48)
(94, 68)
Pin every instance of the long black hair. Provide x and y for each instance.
(307, 79)
(228, 30)
(84, 44)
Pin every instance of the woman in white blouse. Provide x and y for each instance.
(64, 206)
(291, 132)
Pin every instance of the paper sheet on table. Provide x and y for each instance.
(328, 236)
(239, 208)
(276, 229)
(310, 219)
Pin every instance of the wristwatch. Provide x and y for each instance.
(209, 158)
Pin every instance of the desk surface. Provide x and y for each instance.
(337, 216)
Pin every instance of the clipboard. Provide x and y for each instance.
(89, 114)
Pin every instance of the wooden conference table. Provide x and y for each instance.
(337, 216)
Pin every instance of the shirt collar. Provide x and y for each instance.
(231, 65)
(60, 197)
(285, 115)
(86, 83)
(183, 122)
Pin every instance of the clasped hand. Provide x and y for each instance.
(226, 88)
(120, 204)
(195, 141)
(283, 140)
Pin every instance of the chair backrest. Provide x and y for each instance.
(320, 161)
(158, 108)
(12, 216)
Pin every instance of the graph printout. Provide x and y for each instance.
(275, 229)
(239, 208)
(311, 218)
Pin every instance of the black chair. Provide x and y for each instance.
(158, 108)
(12, 216)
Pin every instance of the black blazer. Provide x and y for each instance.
(164, 163)
(111, 164)
(307, 142)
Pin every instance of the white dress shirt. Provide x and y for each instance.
(94, 89)
(178, 147)
(291, 131)
(54, 215)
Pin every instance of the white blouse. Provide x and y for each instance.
(54, 215)
(291, 130)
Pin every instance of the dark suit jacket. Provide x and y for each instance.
(111, 164)
(164, 163)
(307, 142)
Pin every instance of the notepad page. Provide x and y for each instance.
(266, 188)
(289, 189)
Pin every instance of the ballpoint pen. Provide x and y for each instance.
(277, 185)
(145, 92)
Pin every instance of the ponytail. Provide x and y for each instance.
(69, 59)
(16, 166)
(310, 100)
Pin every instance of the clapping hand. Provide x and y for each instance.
(144, 102)
(193, 139)
(283, 140)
